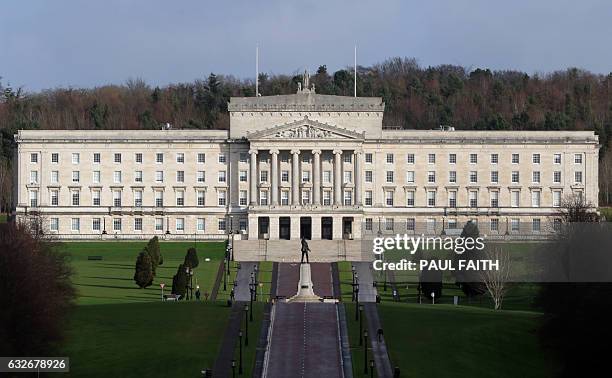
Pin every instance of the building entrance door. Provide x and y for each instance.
(264, 227)
(284, 228)
(347, 228)
(327, 228)
(306, 228)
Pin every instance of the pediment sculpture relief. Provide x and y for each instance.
(304, 132)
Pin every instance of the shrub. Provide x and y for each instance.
(179, 281)
(143, 275)
(191, 258)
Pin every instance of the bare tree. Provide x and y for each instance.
(497, 280)
(5, 185)
(575, 208)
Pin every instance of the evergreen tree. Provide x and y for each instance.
(191, 258)
(179, 281)
(154, 251)
(470, 282)
(143, 275)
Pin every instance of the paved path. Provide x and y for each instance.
(367, 291)
(305, 341)
(288, 277)
(379, 348)
(223, 363)
(321, 274)
(243, 278)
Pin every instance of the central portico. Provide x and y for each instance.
(314, 186)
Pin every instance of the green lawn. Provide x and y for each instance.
(248, 352)
(111, 279)
(357, 355)
(460, 341)
(145, 339)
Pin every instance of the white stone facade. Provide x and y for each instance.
(308, 165)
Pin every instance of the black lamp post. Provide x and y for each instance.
(353, 271)
(246, 322)
(360, 322)
(371, 368)
(240, 352)
(357, 302)
(233, 368)
(227, 268)
(251, 290)
(365, 352)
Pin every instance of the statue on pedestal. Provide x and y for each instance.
(305, 250)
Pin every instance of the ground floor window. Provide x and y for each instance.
(137, 224)
(494, 225)
(222, 224)
(95, 224)
(348, 198)
(54, 224)
(75, 224)
(180, 224)
(389, 224)
(368, 224)
(117, 224)
(159, 224)
(242, 224)
(452, 224)
(410, 224)
(515, 225)
(200, 224)
(535, 225)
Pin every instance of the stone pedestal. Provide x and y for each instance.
(305, 292)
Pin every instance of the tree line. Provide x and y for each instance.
(415, 97)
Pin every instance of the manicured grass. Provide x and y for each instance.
(145, 339)
(459, 341)
(346, 280)
(265, 278)
(249, 351)
(357, 355)
(229, 281)
(111, 279)
(606, 212)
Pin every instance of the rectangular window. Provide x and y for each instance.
(55, 158)
(473, 197)
(494, 198)
(180, 198)
(200, 176)
(327, 198)
(305, 197)
(452, 224)
(452, 177)
(431, 198)
(200, 224)
(54, 177)
(263, 197)
(33, 198)
(389, 197)
(515, 225)
(410, 158)
(117, 158)
(348, 177)
(138, 157)
(159, 224)
(410, 198)
(180, 176)
(180, 157)
(76, 158)
(137, 176)
(138, 198)
(137, 224)
(452, 158)
(577, 158)
(221, 224)
(159, 176)
(222, 158)
(159, 198)
(285, 198)
(368, 158)
(244, 157)
(242, 224)
(263, 176)
(556, 198)
(535, 177)
(578, 177)
(222, 176)
(327, 175)
(473, 158)
(117, 198)
(431, 158)
(389, 224)
(369, 225)
(97, 158)
(117, 177)
(54, 224)
(494, 225)
(95, 224)
(180, 224)
(410, 224)
(473, 177)
(200, 197)
(348, 198)
(452, 198)
(243, 176)
(221, 198)
(34, 158)
(557, 177)
(75, 224)
(159, 158)
(515, 159)
(368, 198)
(95, 198)
(515, 198)
(33, 177)
(390, 158)
(201, 158)
(535, 198)
(494, 158)
(54, 198)
(389, 176)
(535, 225)
(76, 198)
(348, 158)
(535, 158)
(76, 176)
(284, 176)
(557, 159)
(431, 177)
(410, 177)
(368, 176)
(515, 177)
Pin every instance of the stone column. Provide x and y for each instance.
(295, 172)
(253, 178)
(337, 178)
(274, 181)
(358, 169)
(316, 171)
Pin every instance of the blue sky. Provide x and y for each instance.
(61, 43)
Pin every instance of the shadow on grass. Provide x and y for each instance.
(108, 286)
(109, 278)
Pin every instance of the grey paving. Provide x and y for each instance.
(367, 291)
(243, 278)
(380, 355)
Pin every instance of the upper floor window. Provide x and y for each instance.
(222, 158)
(201, 158)
(390, 158)
(578, 159)
(55, 158)
(368, 158)
(76, 158)
(263, 176)
(431, 158)
(348, 158)
(557, 159)
(494, 158)
(97, 158)
(117, 158)
(473, 158)
(159, 158)
(410, 158)
(535, 158)
(180, 157)
(390, 178)
(452, 158)
(515, 159)
(138, 157)
(244, 157)
(34, 158)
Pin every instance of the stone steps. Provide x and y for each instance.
(290, 250)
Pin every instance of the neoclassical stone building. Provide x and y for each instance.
(306, 164)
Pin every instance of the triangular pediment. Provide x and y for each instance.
(305, 129)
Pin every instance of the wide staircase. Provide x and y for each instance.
(289, 250)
